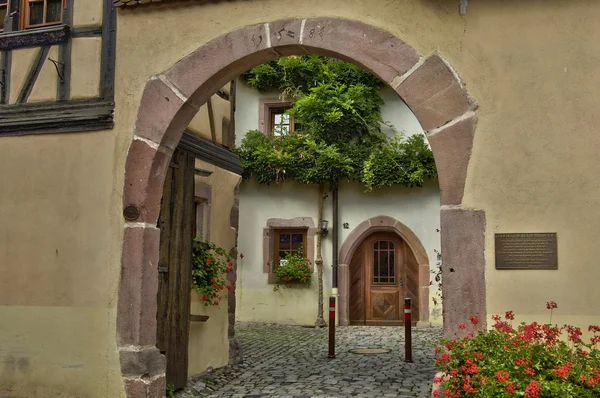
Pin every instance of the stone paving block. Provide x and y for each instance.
(291, 361)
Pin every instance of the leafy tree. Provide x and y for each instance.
(338, 108)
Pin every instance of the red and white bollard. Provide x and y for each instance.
(407, 330)
(331, 327)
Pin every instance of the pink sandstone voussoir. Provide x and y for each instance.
(371, 48)
(136, 322)
(434, 94)
(382, 221)
(144, 178)
(163, 116)
(463, 251)
(216, 62)
(285, 32)
(452, 149)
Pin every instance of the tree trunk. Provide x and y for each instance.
(320, 322)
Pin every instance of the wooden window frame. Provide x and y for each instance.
(287, 231)
(269, 242)
(24, 12)
(279, 111)
(267, 109)
(5, 6)
(202, 199)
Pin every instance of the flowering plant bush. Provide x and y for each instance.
(293, 268)
(531, 361)
(210, 266)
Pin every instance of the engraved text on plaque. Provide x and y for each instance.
(526, 251)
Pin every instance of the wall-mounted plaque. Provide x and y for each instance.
(526, 251)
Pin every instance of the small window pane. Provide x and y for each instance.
(375, 266)
(53, 11)
(284, 239)
(36, 13)
(2, 15)
(377, 245)
(392, 264)
(3, 2)
(383, 263)
(297, 241)
(383, 245)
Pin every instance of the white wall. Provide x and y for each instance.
(417, 208)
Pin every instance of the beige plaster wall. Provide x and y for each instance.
(532, 66)
(85, 65)
(59, 256)
(87, 13)
(21, 64)
(209, 343)
(44, 88)
(200, 124)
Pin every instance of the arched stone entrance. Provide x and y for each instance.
(427, 84)
(353, 241)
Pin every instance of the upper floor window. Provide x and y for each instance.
(34, 13)
(39, 13)
(281, 123)
(3, 12)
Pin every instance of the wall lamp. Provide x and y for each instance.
(324, 230)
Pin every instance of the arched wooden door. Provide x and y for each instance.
(381, 274)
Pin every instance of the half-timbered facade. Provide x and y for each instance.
(57, 66)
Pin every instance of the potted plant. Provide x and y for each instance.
(293, 269)
(210, 266)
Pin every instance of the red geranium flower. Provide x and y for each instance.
(510, 388)
(533, 389)
(209, 260)
(551, 305)
(474, 319)
(502, 376)
(529, 371)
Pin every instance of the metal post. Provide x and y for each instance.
(407, 330)
(331, 327)
(335, 239)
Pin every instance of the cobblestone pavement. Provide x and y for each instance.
(291, 361)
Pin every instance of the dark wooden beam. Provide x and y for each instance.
(5, 69)
(209, 152)
(34, 72)
(109, 48)
(232, 105)
(63, 68)
(56, 117)
(34, 38)
(88, 31)
(211, 120)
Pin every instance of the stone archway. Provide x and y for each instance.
(353, 241)
(429, 86)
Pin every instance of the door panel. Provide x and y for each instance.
(175, 267)
(385, 276)
(357, 289)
